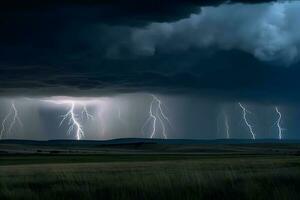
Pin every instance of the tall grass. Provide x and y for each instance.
(206, 179)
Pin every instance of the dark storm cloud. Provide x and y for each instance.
(85, 48)
(110, 11)
(163, 74)
(268, 31)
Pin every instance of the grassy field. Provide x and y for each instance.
(150, 176)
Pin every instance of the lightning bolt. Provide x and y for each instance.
(245, 111)
(156, 115)
(73, 118)
(120, 115)
(4, 122)
(278, 123)
(73, 122)
(86, 113)
(226, 125)
(14, 116)
(100, 117)
(151, 117)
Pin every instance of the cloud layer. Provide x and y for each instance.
(194, 48)
(269, 31)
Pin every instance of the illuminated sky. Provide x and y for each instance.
(103, 61)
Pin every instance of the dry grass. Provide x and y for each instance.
(202, 178)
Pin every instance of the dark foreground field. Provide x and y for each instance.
(149, 170)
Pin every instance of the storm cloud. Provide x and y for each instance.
(232, 51)
(196, 61)
(268, 31)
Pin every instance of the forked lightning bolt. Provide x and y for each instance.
(73, 118)
(73, 122)
(156, 115)
(86, 114)
(278, 123)
(151, 117)
(12, 115)
(4, 123)
(245, 111)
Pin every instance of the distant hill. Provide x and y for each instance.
(140, 145)
(149, 141)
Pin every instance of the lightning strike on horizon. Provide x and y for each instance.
(278, 123)
(73, 122)
(100, 117)
(245, 111)
(14, 115)
(156, 114)
(151, 116)
(119, 113)
(73, 118)
(226, 125)
(4, 122)
(86, 113)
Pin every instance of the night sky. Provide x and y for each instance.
(160, 69)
